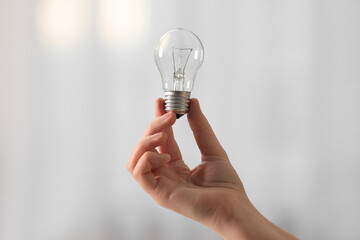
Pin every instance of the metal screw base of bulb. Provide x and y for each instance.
(178, 102)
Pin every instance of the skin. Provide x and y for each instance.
(211, 193)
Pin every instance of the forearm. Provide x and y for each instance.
(248, 223)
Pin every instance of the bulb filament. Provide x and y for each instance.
(180, 59)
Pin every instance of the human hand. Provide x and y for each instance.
(211, 193)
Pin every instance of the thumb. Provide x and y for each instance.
(203, 133)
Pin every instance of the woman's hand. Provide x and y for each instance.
(211, 193)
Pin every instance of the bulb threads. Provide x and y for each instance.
(178, 102)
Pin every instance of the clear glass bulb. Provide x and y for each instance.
(178, 56)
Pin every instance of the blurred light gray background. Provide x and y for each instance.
(280, 84)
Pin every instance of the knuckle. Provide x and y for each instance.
(159, 139)
(128, 166)
(136, 173)
(141, 144)
(163, 136)
(147, 156)
(153, 125)
(145, 144)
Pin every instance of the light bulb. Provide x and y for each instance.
(178, 56)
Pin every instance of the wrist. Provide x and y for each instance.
(234, 219)
(246, 222)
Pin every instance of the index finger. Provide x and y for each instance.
(170, 146)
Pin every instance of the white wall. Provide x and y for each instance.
(280, 84)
